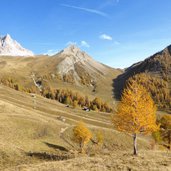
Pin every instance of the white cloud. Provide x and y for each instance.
(84, 44)
(97, 12)
(51, 52)
(105, 37)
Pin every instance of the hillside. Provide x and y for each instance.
(154, 73)
(75, 70)
(36, 132)
(30, 138)
(69, 69)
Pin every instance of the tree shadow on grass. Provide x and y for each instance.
(56, 147)
(61, 154)
(49, 157)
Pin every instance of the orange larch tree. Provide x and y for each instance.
(136, 113)
(82, 135)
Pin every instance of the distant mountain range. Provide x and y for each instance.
(74, 69)
(71, 68)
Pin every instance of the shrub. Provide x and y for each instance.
(82, 135)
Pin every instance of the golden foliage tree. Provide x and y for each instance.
(158, 87)
(136, 113)
(82, 135)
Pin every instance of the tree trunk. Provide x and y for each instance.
(135, 143)
(82, 147)
(169, 140)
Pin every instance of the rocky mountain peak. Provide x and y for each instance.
(72, 50)
(10, 47)
(7, 37)
(78, 65)
(6, 40)
(72, 54)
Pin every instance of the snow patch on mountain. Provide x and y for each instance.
(10, 47)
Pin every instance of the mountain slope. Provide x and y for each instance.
(75, 66)
(30, 138)
(154, 73)
(69, 69)
(9, 47)
(159, 63)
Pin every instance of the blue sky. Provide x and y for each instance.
(115, 32)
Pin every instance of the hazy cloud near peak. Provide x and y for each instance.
(51, 52)
(84, 44)
(105, 37)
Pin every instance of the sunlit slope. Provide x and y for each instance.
(29, 125)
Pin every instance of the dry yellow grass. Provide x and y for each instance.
(115, 161)
(29, 129)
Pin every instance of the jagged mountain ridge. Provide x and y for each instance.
(77, 66)
(157, 64)
(154, 64)
(154, 73)
(10, 47)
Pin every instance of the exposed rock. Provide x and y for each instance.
(77, 65)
